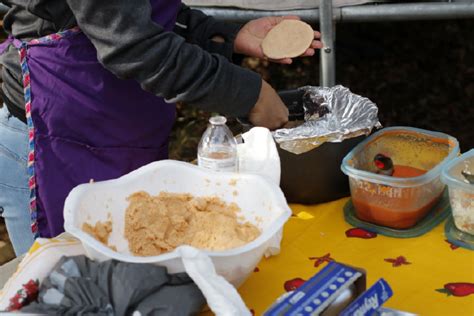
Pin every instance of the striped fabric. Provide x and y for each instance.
(31, 130)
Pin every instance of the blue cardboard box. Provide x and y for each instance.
(321, 294)
(369, 302)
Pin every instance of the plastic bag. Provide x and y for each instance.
(258, 154)
(221, 296)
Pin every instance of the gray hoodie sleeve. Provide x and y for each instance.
(132, 46)
(199, 28)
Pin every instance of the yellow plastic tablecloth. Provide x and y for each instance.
(316, 231)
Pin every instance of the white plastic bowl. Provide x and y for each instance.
(262, 203)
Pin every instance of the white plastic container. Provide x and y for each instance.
(262, 203)
(461, 194)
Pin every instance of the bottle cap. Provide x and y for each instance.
(218, 120)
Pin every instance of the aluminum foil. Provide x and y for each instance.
(336, 114)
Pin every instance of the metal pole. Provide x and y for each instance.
(244, 15)
(360, 13)
(328, 60)
(407, 11)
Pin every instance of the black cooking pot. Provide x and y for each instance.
(314, 176)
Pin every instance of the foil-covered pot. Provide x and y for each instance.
(331, 115)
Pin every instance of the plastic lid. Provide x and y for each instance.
(440, 211)
(448, 178)
(217, 120)
(457, 237)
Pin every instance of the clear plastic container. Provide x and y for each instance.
(392, 201)
(461, 193)
(217, 149)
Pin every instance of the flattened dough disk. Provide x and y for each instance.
(288, 39)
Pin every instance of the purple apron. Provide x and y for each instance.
(85, 123)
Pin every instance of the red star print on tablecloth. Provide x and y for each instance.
(398, 261)
(320, 260)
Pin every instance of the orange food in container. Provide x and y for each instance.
(402, 199)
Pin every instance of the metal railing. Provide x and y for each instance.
(327, 16)
(360, 13)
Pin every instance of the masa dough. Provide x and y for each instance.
(158, 224)
(288, 39)
(100, 231)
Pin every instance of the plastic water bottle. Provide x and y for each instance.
(218, 148)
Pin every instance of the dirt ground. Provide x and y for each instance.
(420, 74)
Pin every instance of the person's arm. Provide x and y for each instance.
(203, 30)
(132, 46)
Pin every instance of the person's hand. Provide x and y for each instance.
(269, 111)
(249, 39)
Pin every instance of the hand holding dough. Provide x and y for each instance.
(288, 39)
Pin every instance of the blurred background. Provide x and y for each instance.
(420, 74)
